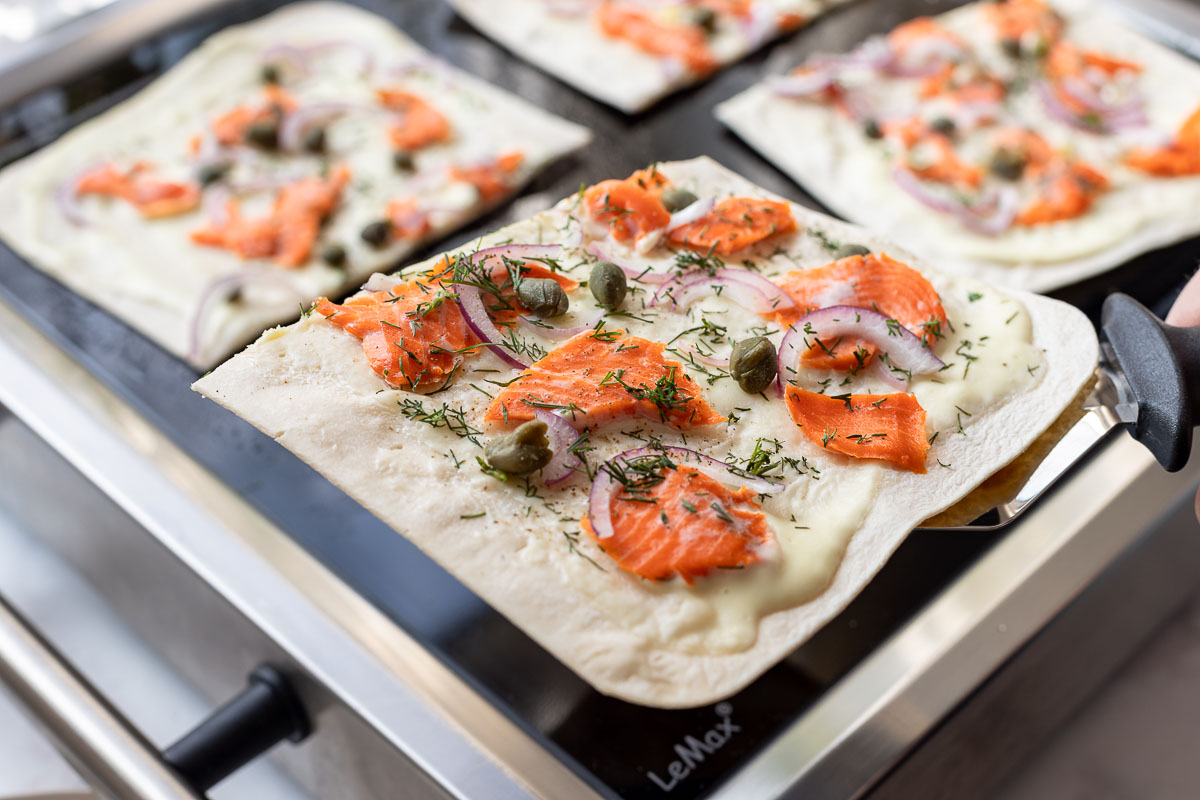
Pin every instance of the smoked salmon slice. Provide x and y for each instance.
(492, 178)
(640, 27)
(933, 159)
(1014, 19)
(152, 197)
(601, 376)
(1180, 157)
(888, 427)
(419, 125)
(734, 224)
(685, 524)
(413, 334)
(290, 230)
(230, 128)
(632, 208)
(1067, 190)
(873, 281)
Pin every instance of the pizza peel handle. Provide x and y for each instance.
(1161, 363)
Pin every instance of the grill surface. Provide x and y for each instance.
(613, 745)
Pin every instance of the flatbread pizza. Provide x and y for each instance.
(1027, 142)
(282, 160)
(671, 426)
(632, 53)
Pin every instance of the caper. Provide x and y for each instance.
(334, 255)
(264, 135)
(377, 234)
(753, 364)
(607, 283)
(1007, 164)
(269, 73)
(705, 18)
(1011, 47)
(314, 140)
(403, 161)
(677, 199)
(211, 173)
(543, 296)
(847, 250)
(944, 126)
(522, 451)
(872, 130)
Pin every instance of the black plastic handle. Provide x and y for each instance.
(265, 713)
(1162, 366)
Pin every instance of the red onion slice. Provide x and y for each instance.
(991, 214)
(801, 86)
(925, 57)
(747, 289)
(896, 345)
(605, 487)
(470, 302)
(641, 275)
(66, 197)
(562, 434)
(552, 333)
(712, 361)
(220, 289)
(691, 213)
(1107, 122)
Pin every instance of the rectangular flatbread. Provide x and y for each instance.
(631, 54)
(1031, 144)
(283, 159)
(710, 525)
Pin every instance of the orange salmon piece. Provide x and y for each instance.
(631, 208)
(409, 332)
(707, 527)
(873, 281)
(908, 34)
(1067, 191)
(979, 88)
(1180, 157)
(600, 378)
(290, 230)
(734, 224)
(421, 124)
(152, 197)
(1012, 19)
(945, 166)
(490, 179)
(230, 128)
(887, 427)
(639, 27)
(408, 221)
(1037, 151)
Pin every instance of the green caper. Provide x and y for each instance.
(944, 126)
(334, 255)
(543, 296)
(211, 173)
(1011, 47)
(607, 283)
(753, 364)
(677, 199)
(872, 130)
(269, 73)
(377, 234)
(705, 18)
(1007, 164)
(403, 161)
(847, 250)
(314, 141)
(264, 135)
(522, 451)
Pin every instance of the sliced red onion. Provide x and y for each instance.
(1086, 94)
(220, 290)
(297, 123)
(295, 56)
(712, 361)
(641, 275)
(925, 57)
(215, 201)
(552, 333)
(691, 213)
(991, 214)
(902, 348)
(799, 86)
(746, 288)
(470, 301)
(605, 487)
(562, 434)
(1114, 121)
(873, 53)
(759, 26)
(520, 252)
(66, 197)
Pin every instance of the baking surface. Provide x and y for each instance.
(454, 624)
